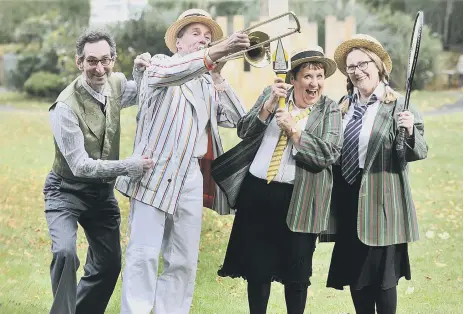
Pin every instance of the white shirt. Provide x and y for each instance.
(263, 157)
(70, 140)
(367, 121)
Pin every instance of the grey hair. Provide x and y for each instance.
(93, 36)
(181, 33)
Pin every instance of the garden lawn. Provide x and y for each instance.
(26, 156)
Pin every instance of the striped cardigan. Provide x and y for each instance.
(386, 213)
(320, 147)
(177, 100)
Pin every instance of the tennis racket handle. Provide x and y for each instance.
(282, 99)
(400, 139)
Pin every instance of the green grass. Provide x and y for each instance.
(26, 157)
(22, 101)
(433, 100)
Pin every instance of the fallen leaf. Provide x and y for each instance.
(444, 235)
(430, 234)
(428, 277)
(440, 264)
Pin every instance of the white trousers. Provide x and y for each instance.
(177, 237)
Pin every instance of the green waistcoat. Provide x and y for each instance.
(101, 132)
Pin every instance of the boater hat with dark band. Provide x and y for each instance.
(189, 17)
(315, 54)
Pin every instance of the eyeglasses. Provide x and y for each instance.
(361, 66)
(105, 61)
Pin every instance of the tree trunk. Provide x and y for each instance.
(446, 23)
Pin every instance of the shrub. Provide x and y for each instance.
(44, 84)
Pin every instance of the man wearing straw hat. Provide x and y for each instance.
(182, 99)
(279, 179)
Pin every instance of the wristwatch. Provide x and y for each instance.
(292, 131)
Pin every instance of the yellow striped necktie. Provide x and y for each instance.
(274, 165)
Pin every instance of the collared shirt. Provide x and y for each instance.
(367, 120)
(260, 164)
(176, 96)
(70, 140)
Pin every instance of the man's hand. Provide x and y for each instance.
(137, 165)
(235, 42)
(142, 61)
(147, 163)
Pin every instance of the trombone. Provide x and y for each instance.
(259, 52)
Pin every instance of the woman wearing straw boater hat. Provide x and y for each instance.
(371, 198)
(279, 179)
(182, 101)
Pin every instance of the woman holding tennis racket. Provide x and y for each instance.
(372, 205)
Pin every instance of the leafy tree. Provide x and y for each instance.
(392, 29)
(134, 37)
(444, 17)
(48, 45)
(14, 12)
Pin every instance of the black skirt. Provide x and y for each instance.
(261, 246)
(353, 262)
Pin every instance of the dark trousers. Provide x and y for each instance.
(95, 208)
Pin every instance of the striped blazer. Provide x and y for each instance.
(386, 213)
(320, 147)
(177, 95)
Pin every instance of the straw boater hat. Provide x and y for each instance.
(315, 54)
(189, 17)
(361, 41)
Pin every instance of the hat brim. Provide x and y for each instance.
(345, 47)
(329, 65)
(171, 33)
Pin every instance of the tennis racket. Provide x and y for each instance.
(412, 62)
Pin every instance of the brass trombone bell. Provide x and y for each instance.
(261, 55)
(259, 52)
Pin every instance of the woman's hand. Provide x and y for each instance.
(406, 120)
(285, 120)
(278, 89)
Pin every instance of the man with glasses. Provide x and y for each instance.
(79, 188)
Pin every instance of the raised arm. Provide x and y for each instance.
(176, 70)
(171, 71)
(129, 93)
